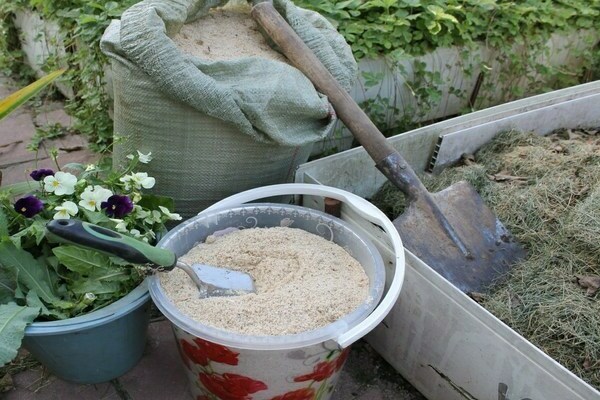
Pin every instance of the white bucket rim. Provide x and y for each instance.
(278, 342)
(349, 334)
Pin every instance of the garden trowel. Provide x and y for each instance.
(452, 231)
(211, 281)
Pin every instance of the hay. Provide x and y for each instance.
(546, 190)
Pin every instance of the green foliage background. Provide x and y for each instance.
(397, 29)
(82, 23)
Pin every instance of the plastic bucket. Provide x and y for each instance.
(94, 347)
(222, 364)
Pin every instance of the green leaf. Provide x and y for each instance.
(86, 19)
(81, 260)
(13, 320)
(34, 301)
(95, 217)
(19, 97)
(8, 285)
(74, 166)
(20, 188)
(3, 224)
(36, 230)
(152, 202)
(29, 271)
(95, 286)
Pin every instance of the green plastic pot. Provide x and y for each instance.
(94, 347)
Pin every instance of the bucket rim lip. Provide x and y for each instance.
(131, 301)
(264, 342)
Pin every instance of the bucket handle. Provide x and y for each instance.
(361, 207)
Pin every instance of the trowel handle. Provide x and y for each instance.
(387, 159)
(108, 241)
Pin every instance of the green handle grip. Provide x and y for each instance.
(108, 241)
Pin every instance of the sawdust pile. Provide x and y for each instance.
(225, 34)
(546, 190)
(303, 282)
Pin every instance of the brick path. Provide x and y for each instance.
(19, 127)
(159, 375)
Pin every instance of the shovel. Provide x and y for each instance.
(211, 281)
(452, 231)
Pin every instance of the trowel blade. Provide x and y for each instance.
(223, 281)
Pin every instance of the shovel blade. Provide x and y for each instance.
(222, 282)
(492, 249)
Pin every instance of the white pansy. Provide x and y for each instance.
(121, 225)
(67, 210)
(140, 213)
(135, 233)
(138, 180)
(61, 183)
(143, 158)
(93, 196)
(173, 216)
(153, 217)
(136, 197)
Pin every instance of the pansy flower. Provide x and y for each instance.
(40, 174)
(29, 206)
(117, 206)
(67, 210)
(93, 197)
(60, 183)
(138, 180)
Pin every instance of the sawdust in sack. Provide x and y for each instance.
(217, 121)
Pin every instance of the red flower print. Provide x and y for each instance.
(321, 371)
(193, 354)
(205, 351)
(231, 386)
(339, 362)
(302, 394)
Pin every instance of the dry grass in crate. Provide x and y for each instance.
(546, 190)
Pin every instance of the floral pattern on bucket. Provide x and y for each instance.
(218, 372)
(226, 386)
(323, 376)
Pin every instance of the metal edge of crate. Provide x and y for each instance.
(420, 337)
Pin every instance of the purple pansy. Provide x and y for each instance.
(29, 206)
(117, 206)
(40, 174)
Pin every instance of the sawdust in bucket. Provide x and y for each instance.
(225, 34)
(303, 282)
(546, 191)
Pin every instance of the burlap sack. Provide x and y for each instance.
(213, 128)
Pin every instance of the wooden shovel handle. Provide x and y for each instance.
(346, 108)
(305, 60)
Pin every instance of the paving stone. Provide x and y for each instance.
(16, 128)
(7, 86)
(20, 172)
(34, 385)
(17, 153)
(367, 376)
(51, 116)
(67, 143)
(159, 375)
